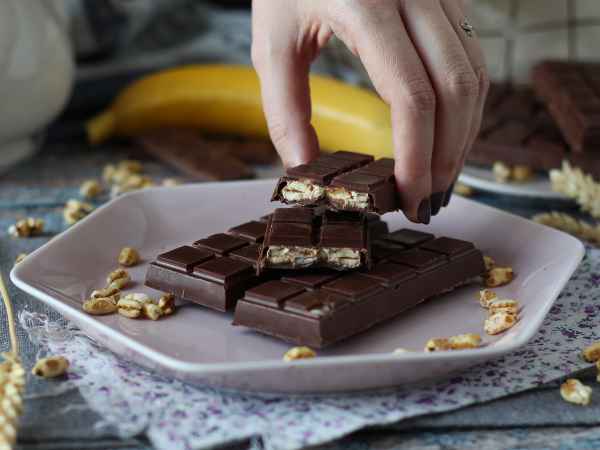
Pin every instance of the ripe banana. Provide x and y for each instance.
(226, 99)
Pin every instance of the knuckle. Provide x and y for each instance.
(420, 95)
(461, 84)
(279, 132)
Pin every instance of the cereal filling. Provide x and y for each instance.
(302, 191)
(345, 199)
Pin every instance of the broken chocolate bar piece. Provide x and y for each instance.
(344, 181)
(318, 310)
(299, 238)
(571, 92)
(517, 130)
(215, 271)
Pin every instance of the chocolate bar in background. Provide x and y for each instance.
(571, 92)
(319, 309)
(344, 181)
(517, 130)
(215, 271)
(207, 159)
(299, 238)
(250, 151)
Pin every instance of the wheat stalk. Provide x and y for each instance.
(572, 182)
(570, 224)
(12, 380)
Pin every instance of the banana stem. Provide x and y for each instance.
(12, 331)
(101, 127)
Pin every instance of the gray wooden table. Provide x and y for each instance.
(57, 419)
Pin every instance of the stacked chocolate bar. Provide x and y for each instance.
(325, 269)
(558, 119)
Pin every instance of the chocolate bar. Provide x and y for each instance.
(345, 181)
(517, 130)
(216, 271)
(571, 92)
(298, 238)
(187, 151)
(319, 309)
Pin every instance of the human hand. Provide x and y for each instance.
(422, 62)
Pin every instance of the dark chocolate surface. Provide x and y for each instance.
(253, 231)
(325, 308)
(353, 172)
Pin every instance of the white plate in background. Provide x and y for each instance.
(482, 178)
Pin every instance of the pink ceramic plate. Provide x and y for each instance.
(200, 346)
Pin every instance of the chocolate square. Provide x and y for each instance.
(341, 217)
(420, 260)
(381, 249)
(358, 182)
(315, 303)
(221, 243)
(290, 234)
(272, 293)
(248, 254)
(318, 174)
(224, 270)
(344, 235)
(253, 231)
(311, 280)
(295, 215)
(409, 238)
(354, 285)
(335, 162)
(304, 302)
(383, 167)
(450, 247)
(183, 259)
(360, 158)
(390, 274)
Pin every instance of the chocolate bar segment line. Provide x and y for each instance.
(299, 238)
(326, 313)
(343, 181)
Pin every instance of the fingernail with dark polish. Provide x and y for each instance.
(424, 212)
(436, 202)
(448, 195)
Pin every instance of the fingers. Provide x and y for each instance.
(283, 64)
(377, 35)
(470, 43)
(456, 16)
(455, 84)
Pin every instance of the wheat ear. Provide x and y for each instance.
(12, 380)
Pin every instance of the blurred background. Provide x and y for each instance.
(64, 62)
(70, 58)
